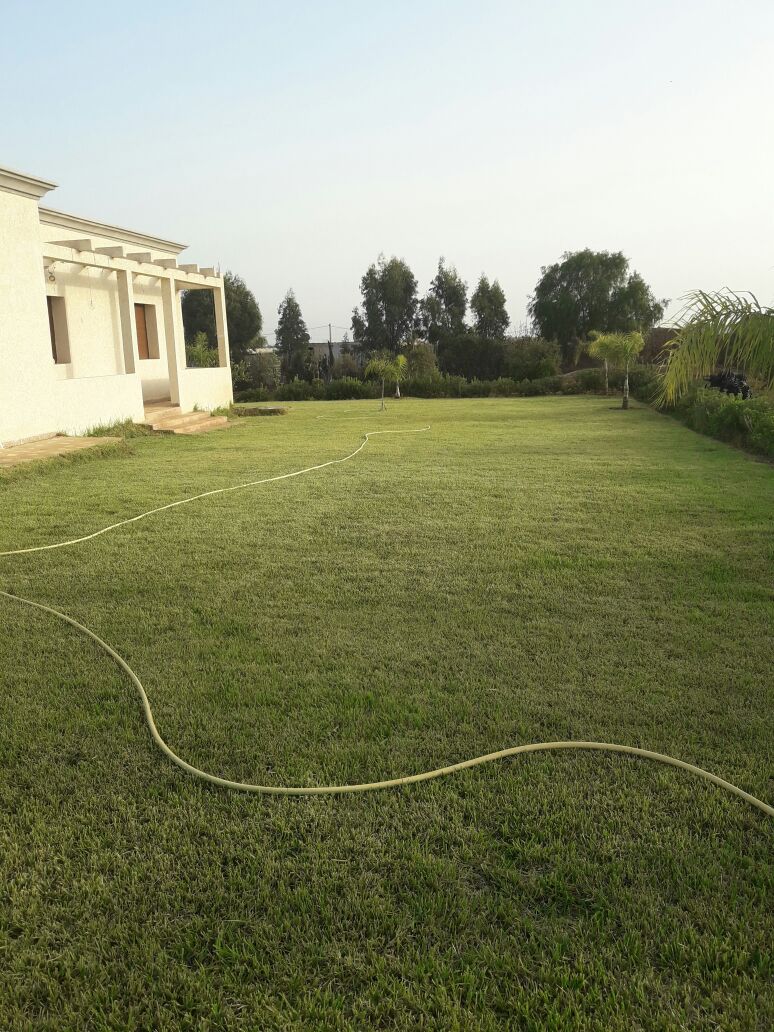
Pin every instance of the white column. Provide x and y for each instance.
(127, 319)
(173, 337)
(221, 325)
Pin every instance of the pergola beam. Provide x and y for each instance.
(82, 244)
(66, 253)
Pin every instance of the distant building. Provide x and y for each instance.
(323, 348)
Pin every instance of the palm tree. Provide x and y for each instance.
(629, 346)
(721, 329)
(386, 368)
(399, 372)
(617, 349)
(603, 345)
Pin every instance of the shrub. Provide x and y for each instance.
(241, 378)
(199, 354)
(433, 387)
(588, 380)
(746, 424)
(469, 355)
(442, 385)
(644, 382)
(300, 390)
(531, 358)
(475, 389)
(253, 394)
(348, 388)
(265, 369)
(345, 367)
(421, 363)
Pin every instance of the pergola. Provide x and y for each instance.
(172, 279)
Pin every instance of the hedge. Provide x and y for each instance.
(585, 381)
(746, 424)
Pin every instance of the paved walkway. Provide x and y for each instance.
(49, 448)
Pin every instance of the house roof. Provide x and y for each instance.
(90, 227)
(23, 183)
(32, 186)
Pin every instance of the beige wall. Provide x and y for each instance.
(206, 388)
(93, 327)
(154, 372)
(26, 366)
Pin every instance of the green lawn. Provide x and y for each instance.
(529, 570)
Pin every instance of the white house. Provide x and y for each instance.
(90, 321)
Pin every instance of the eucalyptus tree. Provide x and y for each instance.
(488, 306)
(444, 307)
(385, 319)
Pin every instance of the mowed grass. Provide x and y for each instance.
(528, 570)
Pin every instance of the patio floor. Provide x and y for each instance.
(49, 448)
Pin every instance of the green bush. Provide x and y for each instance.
(432, 386)
(265, 369)
(253, 394)
(588, 380)
(348, 388)
(644, 382)
(300, 390)
(422, 364)
(345, 367)
(440, 385)
(531, 358)
(199, 354)
(746, 424)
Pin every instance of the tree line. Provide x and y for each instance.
(464, 334)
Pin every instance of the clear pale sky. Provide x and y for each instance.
(293, 142)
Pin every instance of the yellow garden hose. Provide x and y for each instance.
(370, 786)
(209, 494)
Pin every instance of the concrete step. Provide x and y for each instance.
(156, 413)
(167, 418)
(158, 406)
(213, 423)
(180, 419)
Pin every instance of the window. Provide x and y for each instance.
(147, 331)
(57, 327)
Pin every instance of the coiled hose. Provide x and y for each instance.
(370, 786)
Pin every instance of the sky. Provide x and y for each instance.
(293, 142)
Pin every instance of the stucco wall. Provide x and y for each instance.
(80, 405)
(26, 365)
(37, 396)
(153, 372)
(205, 388)
(93, 326)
